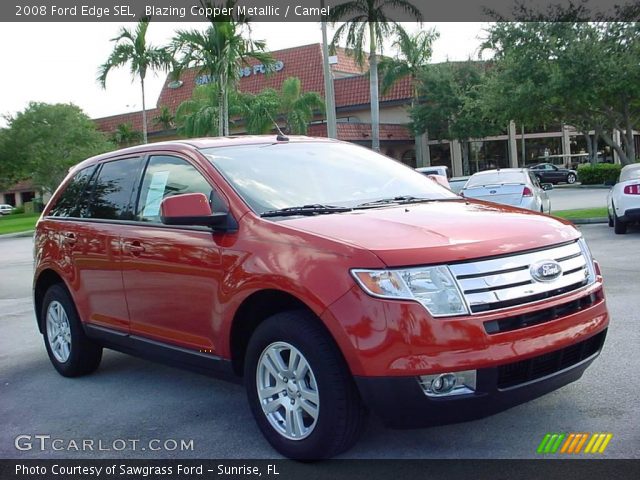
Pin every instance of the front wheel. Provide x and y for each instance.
(571, 178)
(300, 390)
(70, 351)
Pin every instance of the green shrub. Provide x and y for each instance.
(18, 210)
(599, 174)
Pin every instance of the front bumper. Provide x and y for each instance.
(401, 403)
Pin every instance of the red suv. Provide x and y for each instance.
(333, 280)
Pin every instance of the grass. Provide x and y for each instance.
(600, 212)
(20, 222)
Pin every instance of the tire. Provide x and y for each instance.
(60, 321)
(571, 178)
(619, 226)
(339, 413)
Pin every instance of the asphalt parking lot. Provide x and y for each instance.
(129, 398)
(564, 197)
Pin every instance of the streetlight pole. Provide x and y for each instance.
(329, 99)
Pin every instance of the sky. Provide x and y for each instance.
(58, 62)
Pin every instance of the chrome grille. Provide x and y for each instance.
(506, 281)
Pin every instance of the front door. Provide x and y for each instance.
(172, 275)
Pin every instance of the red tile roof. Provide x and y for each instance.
(109, 124)
(304, 62)
(353, 132)
(355, 91)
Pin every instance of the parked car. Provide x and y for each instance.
(623, 200)
(435, 170)
(517, 187)
(550, 173)
(6, 209)
(440, 180)
(332, 280)
(456, 184)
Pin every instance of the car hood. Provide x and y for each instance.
(439, 231)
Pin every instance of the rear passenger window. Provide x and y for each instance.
(113, 190)
(166, 176)
(68, 204)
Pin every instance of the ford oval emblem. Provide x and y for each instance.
(545, 271)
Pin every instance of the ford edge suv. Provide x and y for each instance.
(331, 280)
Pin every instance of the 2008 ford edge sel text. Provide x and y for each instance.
(333, 280)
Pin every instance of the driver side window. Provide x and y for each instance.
(166, 176)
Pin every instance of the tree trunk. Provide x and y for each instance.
(144, 113)
(221, 109)
(607, 137)
(373, 87)
(630, 146)
(587, 139)
(465, 157)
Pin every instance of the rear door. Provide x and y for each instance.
(91, 237)
(172, 274)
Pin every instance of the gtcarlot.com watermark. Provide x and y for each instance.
(47, 443)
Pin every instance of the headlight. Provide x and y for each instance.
(433, 287)
(591, 269)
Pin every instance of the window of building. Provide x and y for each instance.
(68, 204)
(166, 176)
(409, 158)
(114, 189)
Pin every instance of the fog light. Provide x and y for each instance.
(450, 383)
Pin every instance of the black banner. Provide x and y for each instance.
(308, 10)
(333, 469)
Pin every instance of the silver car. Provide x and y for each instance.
(517, 187)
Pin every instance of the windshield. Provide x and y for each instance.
(284, 175)
(496, 178)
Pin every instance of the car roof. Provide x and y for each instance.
(204, 142)
(630, 172)
(501, 170)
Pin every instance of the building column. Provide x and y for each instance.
(456, 158)
(566, 146)
(423, 156)
(513, 145)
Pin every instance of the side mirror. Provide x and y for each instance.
(547, 186)
(190, 209)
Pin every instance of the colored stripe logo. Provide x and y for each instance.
(574, 443)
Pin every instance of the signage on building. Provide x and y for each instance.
(246, 72)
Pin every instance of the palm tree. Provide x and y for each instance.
(198, 116)
(165, 118)
(368, 19)
(218, 52)
(125, 135)
(414, 53)
(260, 112)
(132, 48)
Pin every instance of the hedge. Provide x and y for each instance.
(599, 174)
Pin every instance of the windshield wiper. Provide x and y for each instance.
(313, 209)
(401, 200)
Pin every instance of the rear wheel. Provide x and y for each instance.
(300, 390)
(619, 226)
(571, 178)
(70, 351)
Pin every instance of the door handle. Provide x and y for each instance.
(134, 247)
(69, 238)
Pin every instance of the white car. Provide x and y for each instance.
(623, 201)
(5, 209)
(517, 187)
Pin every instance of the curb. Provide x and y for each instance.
(28, 233)
(587, 221)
